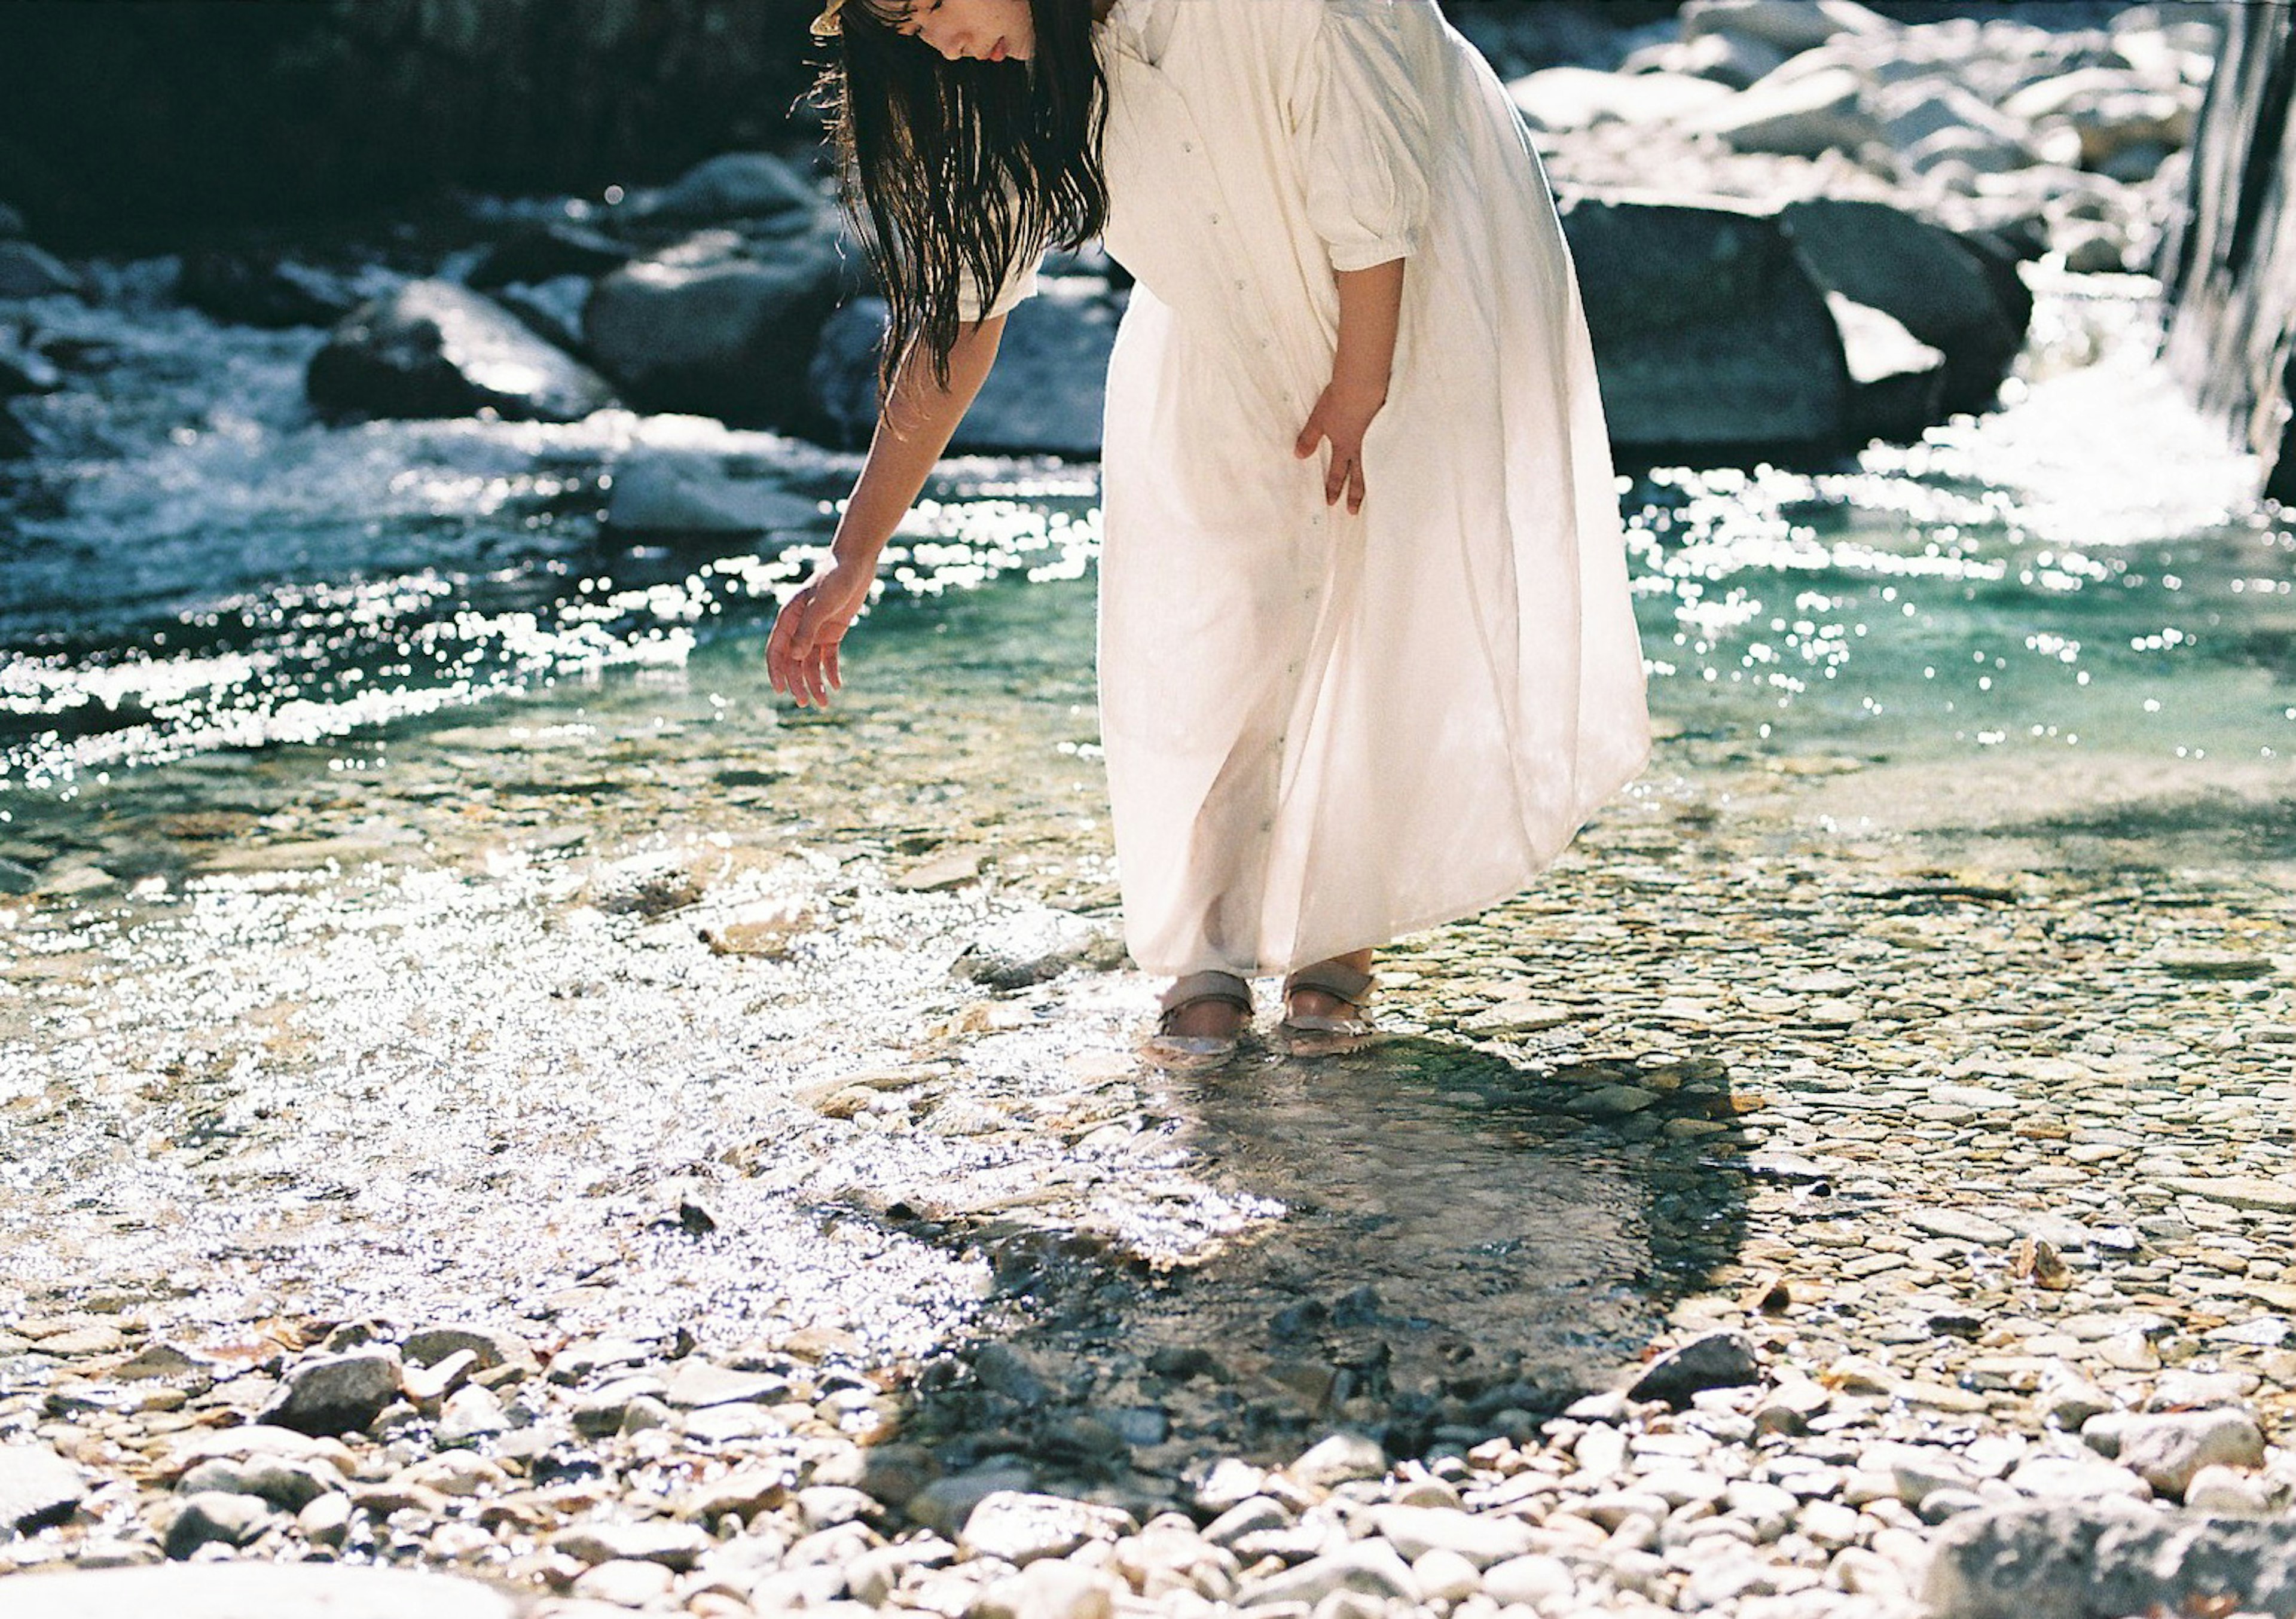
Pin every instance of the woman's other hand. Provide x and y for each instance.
(1341, 416)
(801, 653)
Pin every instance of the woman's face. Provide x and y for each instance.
(984, 30)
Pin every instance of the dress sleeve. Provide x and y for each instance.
(1363, 135)
(1020, 282)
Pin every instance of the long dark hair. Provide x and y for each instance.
(960, 169)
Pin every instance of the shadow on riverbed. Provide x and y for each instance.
(1466, 1245)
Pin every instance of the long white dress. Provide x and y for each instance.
(1324, 730)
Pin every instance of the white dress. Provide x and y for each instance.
(1324, 730)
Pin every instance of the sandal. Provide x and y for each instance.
(1197, 1053)
(1308, 1035)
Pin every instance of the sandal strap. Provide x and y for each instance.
(1333, 978)
(1207, 987)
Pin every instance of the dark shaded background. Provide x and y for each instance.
(130, 124)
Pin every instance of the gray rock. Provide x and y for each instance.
(1020, 1528)
(547, 252)
(239, 1591)
(601, 1410)
(1532, 1582)
(288, 1485)
(716, 327)
(1048, 1590)
(214, 1516)
(1338, 1458)
(1713, 1360)
(676, 1546)
(1710, 335)
(1805, 117)
(698, 492)
(37, 1487)
(30, 272)
(263, 289)
(944, 1505)
(1369, 1566)
(1481, 1540)
(25, 370)
(2166, 1450)
(470, 1413)
(1961, 298)
(1788, 26)
(336, 1393)
(698, 1384)
(1959, 1224)
(493, 1346)
(1576, 98)
(1897, 381)
(2098, 1561)
(434, 348)
(734, 185)
(1044, 397)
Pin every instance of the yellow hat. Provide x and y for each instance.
(827, 26)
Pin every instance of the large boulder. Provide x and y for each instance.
(1711, 338)
(263, 289)
(544, 252)
(434, 348)
(1961, 298)
(1800, 116)
(734, 185)
(674, 493)
(716, 326)
(27, 271)
(1044, 397)
(1786, 26)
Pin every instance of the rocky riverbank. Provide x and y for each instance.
(843, 1255)
(1800, 226)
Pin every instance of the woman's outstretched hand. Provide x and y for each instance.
(1341, 416)
(801, 653)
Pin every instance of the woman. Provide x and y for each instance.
(1366, 659)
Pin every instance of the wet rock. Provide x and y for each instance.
(1710, 333)
(1897, 381)
(1044, 397)
(1962, 300)
(433, 348)
(734, 185)
(708, 329)
(2166, 1450)
(216, 1517)
(1715, 1359)
(2086, 1562)
(547, 252)
(30, 272)
(263, 289)
(24, 370)
(695, 492)
(334, 1394)
(231, 1590)
(37, 1487)
(1020, 1528)
(1578, 98)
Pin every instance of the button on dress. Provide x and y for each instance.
(1323, 730)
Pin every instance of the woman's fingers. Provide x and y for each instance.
(1354, 485)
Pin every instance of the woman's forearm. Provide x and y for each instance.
(914, 428)
(1371, 310)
